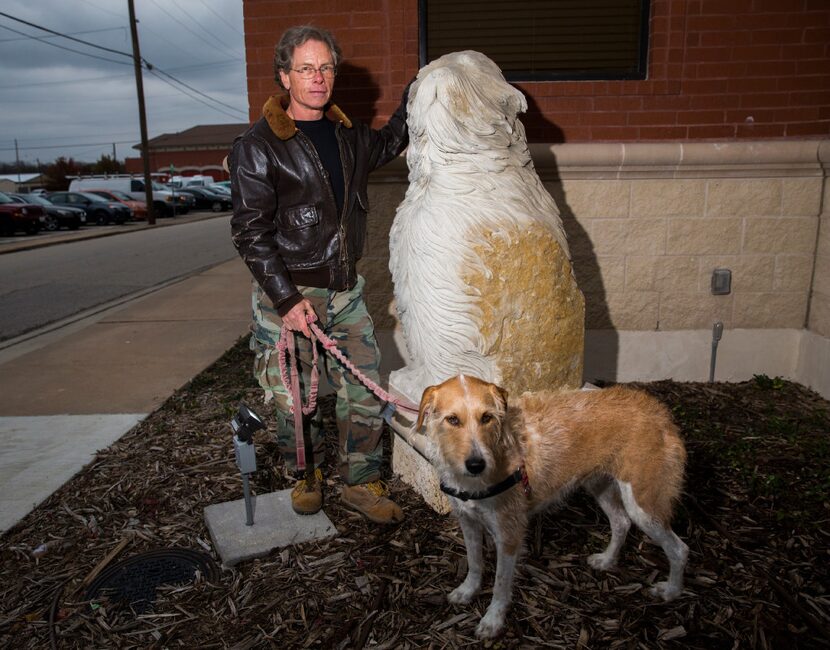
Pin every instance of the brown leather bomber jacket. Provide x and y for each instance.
(285, 223)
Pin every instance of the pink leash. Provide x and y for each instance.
(292, 382)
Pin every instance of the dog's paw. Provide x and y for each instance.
(665, 591)
(601, 562)
(491, 625)
(463, 594)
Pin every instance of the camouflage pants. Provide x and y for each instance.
(343, 317)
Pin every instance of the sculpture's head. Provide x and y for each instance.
(460, 99)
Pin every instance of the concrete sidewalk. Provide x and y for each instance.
(68, 393)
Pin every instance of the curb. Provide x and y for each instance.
(72, 236)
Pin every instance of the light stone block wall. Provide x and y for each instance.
(819, 317)
(648, 223)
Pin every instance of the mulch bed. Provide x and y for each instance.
(755, 516)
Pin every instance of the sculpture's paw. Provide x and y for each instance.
(601, 562)
(463, 594)
(665, 591)
(491, 625)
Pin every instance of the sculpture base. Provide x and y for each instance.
(408, 460)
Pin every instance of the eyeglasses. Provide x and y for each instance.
(309, 71)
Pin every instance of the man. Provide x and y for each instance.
(299, 182)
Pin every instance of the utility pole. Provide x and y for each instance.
(113, 153)
(142, 117)
(17, 158)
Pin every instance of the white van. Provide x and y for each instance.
(199, 180)
(164, 201)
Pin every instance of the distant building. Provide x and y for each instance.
(20, 182)
(198, 150)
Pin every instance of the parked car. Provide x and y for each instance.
(165, 202)
(16, 216)
(139, 208)
(55, 216)
(205, 199)
(98, 210)
(220, 189)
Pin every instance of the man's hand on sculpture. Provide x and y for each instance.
(298, 317)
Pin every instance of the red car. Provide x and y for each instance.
(139, 208)
(16, 216)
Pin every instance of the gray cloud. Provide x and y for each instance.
(60, 103)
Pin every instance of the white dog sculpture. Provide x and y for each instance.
(479, 260)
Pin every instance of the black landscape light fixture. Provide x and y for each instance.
(244, 425)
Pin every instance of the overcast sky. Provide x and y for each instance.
(61, 103)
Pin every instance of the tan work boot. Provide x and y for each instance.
(307, 495)
(372, 501)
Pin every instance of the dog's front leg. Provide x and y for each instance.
(473, 540)
(492, 622)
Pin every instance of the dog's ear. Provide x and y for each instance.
(500, 395)
(427, 400)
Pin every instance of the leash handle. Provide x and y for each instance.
(292, 384)
(285, 344)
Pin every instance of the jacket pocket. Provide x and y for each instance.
(299, 236)
(297, 217)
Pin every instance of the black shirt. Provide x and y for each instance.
(321, 134)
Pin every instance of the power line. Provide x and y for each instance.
(215, 13)
(199, 92)
(196, 34)
(203, 28)
(153, 72)
(99, 8)
(148, 65)
(71, 38)
(65, 146)
(214, 64)
(86, 31)
(61, 47)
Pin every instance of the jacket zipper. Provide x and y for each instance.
(344, 255)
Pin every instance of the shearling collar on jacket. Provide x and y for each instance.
(281, 123)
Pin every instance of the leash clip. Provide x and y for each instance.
(526, 483)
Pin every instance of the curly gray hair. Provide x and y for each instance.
(295, 36)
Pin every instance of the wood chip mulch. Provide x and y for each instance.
(756, 516)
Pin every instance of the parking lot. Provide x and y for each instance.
(48, 238)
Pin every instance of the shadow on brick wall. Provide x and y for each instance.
(356, 92)
(583, 257)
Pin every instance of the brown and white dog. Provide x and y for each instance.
(501, 463)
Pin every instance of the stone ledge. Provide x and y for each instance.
(630, 160)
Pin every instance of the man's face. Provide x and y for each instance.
(308, 96)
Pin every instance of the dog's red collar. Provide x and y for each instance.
(519, 476)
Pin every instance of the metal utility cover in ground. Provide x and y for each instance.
(276, 525)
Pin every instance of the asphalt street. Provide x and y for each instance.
(50, 283)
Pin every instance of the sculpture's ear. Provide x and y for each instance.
(427, 404)
(514, 101)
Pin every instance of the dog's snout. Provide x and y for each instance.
(475, 464)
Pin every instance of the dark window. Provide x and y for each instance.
(538, 40)
(136, 186)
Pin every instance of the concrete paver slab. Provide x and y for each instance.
(276, 525)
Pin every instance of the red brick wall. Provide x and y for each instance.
(718, 69)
